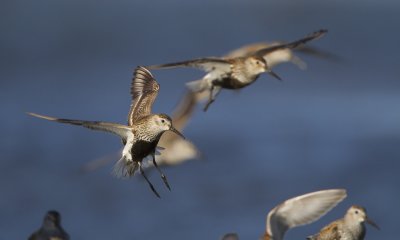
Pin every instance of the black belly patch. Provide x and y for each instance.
(143, 148)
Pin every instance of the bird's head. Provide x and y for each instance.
(258, 65)
(52, 219)
(164, 123)
(359, 214)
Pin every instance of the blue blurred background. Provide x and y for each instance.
(335, 125)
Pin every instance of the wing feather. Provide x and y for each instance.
(293, 44)
(115, 128)
(144, 90)
(247, 50)
(302, 210)
(206, 64)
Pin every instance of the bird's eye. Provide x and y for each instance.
(162, 120)
(258, 62)
(356, 211)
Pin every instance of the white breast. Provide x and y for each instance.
(126, 152)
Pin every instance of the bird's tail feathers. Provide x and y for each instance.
(197, 85)
(298, 62)
(124, 168)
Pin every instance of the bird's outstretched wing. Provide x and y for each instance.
(291, 45)
(206, 64)
(144, 90)
(247, 50)
(302, 210)
(115, 128)
(320, 53)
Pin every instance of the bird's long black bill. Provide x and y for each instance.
(270, 72)
(172, 129)
(372, 223)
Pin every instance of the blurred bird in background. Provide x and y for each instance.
(177, 150)
(51, 228)
(230, 236)
(234, 72)
(283, 55)
(276, 57)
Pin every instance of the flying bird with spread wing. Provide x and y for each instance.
(301, 210)
(235, 72)
(173, 149)
(143, 132)
(350, 227)
(298, 211)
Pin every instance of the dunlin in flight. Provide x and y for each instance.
(350, 227)
(273, 58)
(173, 149)
(140, 137)
(300, 210)
(51, 228)
(233, 73)
(283, 55)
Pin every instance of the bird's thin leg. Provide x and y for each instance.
(164, 178)
(147, 180)
(214, 91)
(210, 98)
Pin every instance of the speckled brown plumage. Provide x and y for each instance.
(233, 73)
(140, 137)
(350, 227)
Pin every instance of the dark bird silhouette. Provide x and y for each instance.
(51, 228)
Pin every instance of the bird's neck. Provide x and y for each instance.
(50, 225)
(144, 133)
(356, 228)
(243, 74)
